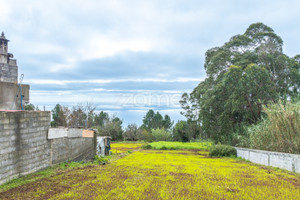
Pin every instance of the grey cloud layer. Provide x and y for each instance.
(76, 44)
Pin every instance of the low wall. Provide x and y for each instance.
(71, 144)
(25, 147)
(75, 149)
(286, 161)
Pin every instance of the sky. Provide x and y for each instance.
(129, 56)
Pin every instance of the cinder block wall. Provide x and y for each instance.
(75, 149)
(24, 147)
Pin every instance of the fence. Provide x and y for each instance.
(286, 161)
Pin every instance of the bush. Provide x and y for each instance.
(163, 148)
(147, 146)
(132, 133)
(186, 131)
(147, 136)
(220, 150)
(100, 160)
(280, 130)
(161, 135)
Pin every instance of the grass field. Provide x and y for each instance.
(124, 147)
(181, 145)
(165, 174)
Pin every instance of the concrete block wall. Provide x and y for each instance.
(286, 161)
(24, 147)
(73, 149)
(69, 144)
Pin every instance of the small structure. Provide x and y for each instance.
(103, 145)
(13, 95)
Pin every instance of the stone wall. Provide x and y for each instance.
(286, 161)
(26, 148)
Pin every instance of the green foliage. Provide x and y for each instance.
(190, 107)
(155, 135)
(163, 148)
(100, 160)
(180, 132)
(161, 135)
(29, 107)
(186, 131)
(244, 74)
(132, 133)
(59, 116)
(147, 136)
(147, 146)
(112, 128)
(101, 119)
(279, 131)
(220, 150)
(154, 120)
(181, 145)
(46, 173)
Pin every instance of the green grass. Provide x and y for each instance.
(27, 179)
(46, 173)
(181, 145)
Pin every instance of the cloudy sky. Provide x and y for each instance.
(129, 56)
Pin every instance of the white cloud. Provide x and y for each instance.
(4, 11)
(145, 80)
(100, 46)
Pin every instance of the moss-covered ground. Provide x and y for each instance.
(164, 174)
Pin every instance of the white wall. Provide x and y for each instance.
(286, 161)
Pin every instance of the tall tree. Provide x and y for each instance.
(60, 116)
(242, 75)
(101, 118)
(112, 128)
(154, 120)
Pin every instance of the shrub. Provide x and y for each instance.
(187, 131)
(147, 136)
(147, 146)
(161, 135)
(280, 130)
(100, 160)
(163, 148)
(132, 133)
(220, 150)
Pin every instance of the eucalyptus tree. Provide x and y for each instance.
(242, 75)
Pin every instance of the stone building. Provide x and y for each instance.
(11, 92)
